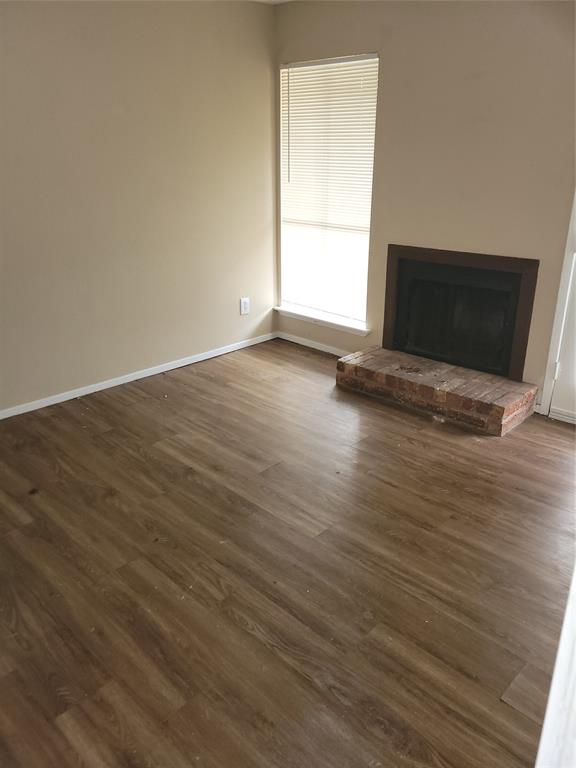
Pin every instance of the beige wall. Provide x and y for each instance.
(137, 186)
(475, 134)
(137, 167)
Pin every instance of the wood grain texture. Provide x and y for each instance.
(528, 692)
(237, 564)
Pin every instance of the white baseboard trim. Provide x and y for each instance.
(142, 374)
(563, 415)
(34, 405)
(312, 344)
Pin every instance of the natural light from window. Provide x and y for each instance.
(328, 120)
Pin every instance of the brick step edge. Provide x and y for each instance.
(495, 422)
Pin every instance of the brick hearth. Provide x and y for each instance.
(486, 403)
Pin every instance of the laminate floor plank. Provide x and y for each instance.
(528, 693)
(238, 565)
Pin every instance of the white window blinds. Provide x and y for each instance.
(328, 118)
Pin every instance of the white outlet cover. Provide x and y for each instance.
(245, 305)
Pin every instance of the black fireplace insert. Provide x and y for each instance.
(466, 309)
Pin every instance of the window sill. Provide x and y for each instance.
(323, 318)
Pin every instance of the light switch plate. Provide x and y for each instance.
(245, 305)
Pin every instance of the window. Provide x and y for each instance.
(328, 119)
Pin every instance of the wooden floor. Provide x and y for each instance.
(238, 564)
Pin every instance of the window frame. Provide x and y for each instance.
(309, 314)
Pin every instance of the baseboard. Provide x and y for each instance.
(16, 410)
(142, 374)
(312, 344)
(563, 415)
(61, 397)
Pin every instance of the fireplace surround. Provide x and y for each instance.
(467, 309)
(455, 335)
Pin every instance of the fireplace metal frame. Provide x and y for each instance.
(526, 268)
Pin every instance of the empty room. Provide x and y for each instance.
(287, 384)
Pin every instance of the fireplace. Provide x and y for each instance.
(467, 309)
(455, 335)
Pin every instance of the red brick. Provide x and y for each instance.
(486, 403)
